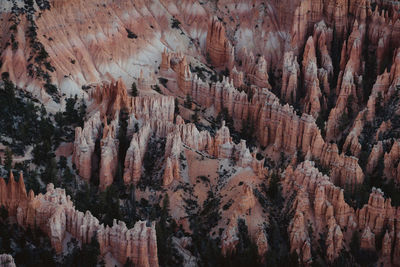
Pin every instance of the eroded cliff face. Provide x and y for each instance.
(7, 260)
(298, 75)
(55, 214)
(320, 206)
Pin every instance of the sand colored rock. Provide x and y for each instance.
(392, 162)
(334, 240)
(218, 47)
(322, 204)
(229, 237)
(335, 13)
(110, 97)
(237, 77)
(290, 76)
(367, 239)
(175, 66)
(135, 154)
(84, 145)
(352, 145)
(255, 69)
(145, 81)
(6, 260)
(376, 153)
(173, 149)
(378, 211)
(274, 122)
(12, 194)
(109, 154)
(55, 214)
(262, 242)
(248, 199)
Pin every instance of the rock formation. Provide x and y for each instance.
(392, 162)
(12, 194)
(109, 154)
(6, 260)
(248, 199)
(175, 66)
(84, 145)
(134, 155)
(273, 122)
(229, 237)
(55, 214)
(218, 47)
(111, 97)
(329, 208)
(290, 77)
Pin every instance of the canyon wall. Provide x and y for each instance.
(151, 116)
(278, 126)
(55, 214)
(319, 203)
(6, 260)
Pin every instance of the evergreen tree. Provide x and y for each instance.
(134, 90)
(90, 253)
(82, 112)
(8, 160)
(176, 110)
(49, 175)
(188, 102)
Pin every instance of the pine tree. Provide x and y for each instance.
(82, 112)
(176, 110)
(188, 102)
(8, 159)
(134, 91)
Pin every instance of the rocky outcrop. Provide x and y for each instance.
(278, 126)
(336, 13)
(237, 77)
(55, 214)
(248, 200)
(290, 78)
(12, 194)
(255, 68)
(323, 37)
(156, 107)
(374, 156)
(218, 47)
(172, 153)
(367, 240)
(6, 260)
(229, 238)
(261, 242)
(111, 97)
(352, 145)
(177, 135)
(392, 162)
(135, 154)
(145, 83)
(84, 145)
(109, 154)
(175, 66)
(323, 204)
(139, 109)
(349, 82)
(377, 213)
